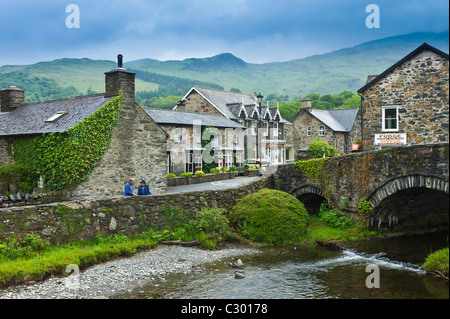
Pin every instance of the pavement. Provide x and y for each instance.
(229, 183)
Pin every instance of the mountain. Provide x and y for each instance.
(334, 72)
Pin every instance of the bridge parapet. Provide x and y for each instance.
(373, 175)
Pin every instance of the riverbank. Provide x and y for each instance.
(124, 274)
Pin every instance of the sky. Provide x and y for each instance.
(257, 31)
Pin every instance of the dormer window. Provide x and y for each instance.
(56, 116)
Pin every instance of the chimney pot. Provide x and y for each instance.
(120, 61)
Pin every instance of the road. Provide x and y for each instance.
(229, 183)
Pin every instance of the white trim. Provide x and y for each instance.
(383, 118)
(323, 130)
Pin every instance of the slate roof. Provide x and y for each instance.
(345, 117)
(29, 119)
(337, 120)
(162, 116)
(229, 103)
(220, 99)
(424, 47)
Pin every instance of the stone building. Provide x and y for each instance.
(408, 102)
(137, 148)
(193, 134)
(339, 128)
(275, 139)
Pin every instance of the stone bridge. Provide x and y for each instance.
(404, 185)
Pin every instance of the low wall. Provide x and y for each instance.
(61, 222)
(208, 178)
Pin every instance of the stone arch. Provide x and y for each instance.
(415, 199)
(407, 182)
(311, 197)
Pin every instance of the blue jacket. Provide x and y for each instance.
(144, 190)
(129, 189)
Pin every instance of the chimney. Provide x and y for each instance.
(11, 98)
(119, 79)
(306, 104)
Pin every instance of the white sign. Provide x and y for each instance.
(390, 139)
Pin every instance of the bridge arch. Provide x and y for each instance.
(411, 197)
(311, 196)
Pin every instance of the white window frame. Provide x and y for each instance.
(309, 131)
(321, 130)
(178, 135)
(383, 115)
(253, 126)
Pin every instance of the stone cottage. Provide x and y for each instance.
(339, 128)
(137, 147)
(407, 104)
(277, 144)
(194, 134)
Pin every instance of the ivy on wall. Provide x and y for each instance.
(66, 159)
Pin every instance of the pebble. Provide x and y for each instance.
(123, 274)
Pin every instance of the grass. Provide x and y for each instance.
(319, 231)
(437, 263)
(54, 259)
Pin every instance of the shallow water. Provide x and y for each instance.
(298, 272)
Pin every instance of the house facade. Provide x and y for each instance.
(137, 145)
(198, 140)
(276, 142)
(407, 104)
(339, 128)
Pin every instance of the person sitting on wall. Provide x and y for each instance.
(129, 188)
(144, 189)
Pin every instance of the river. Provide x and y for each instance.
(304, 271)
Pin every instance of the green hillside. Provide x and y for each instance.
(159, 81)
(334, 72)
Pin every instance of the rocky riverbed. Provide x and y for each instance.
(123, 275)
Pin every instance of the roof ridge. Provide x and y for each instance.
(237, 93)
(65, 99)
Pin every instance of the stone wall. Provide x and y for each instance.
(340, 140)
(196, 103)
(398, 181)
(5, 159)
(60, 222)
(420, 89)
(138, 148)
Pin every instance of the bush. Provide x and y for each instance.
(271, 216)
(214, 170)
(316, 148)
(23, 247)
(170, 175)
(333, 217)
(437, 263)
(199, 173)
(214, 224)
(233, 168)
(186, 175)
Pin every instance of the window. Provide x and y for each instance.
(56, 116)
(178, 135)
(253, 128)
(309, 131)
(321, 130)
(275, 129)
(390, 118)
